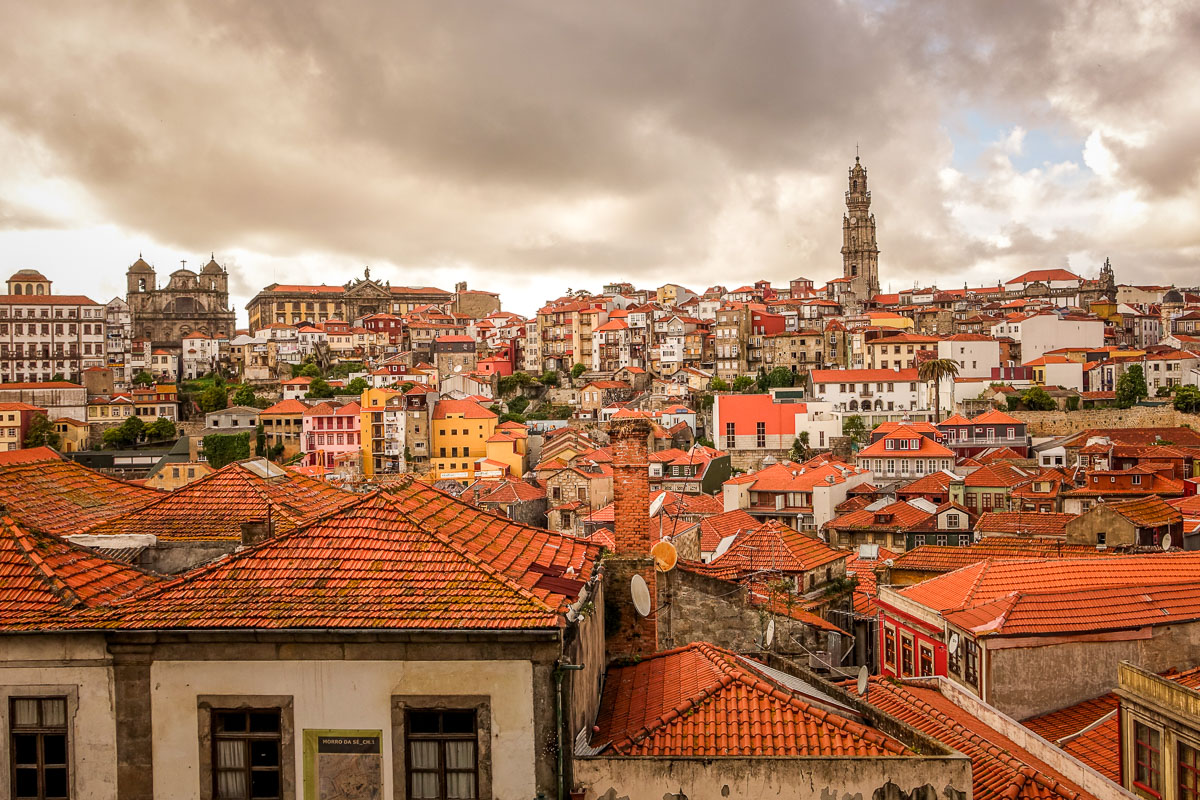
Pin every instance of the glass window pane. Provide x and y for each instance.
(458, 722)
(264, 753)
(424, 785)
(231, 721)
(231, 785)
(460, 785)
(54, 712)
(25, 713)
(460, 755)
(26, 783)
(264, 722)
(264, 783)
(56, 782)
(25, 748)
(423, 721)
(231, 754)
(423, 755)
(54, 748)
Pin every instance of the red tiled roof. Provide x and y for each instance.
(1045, 275)
(469, 409)
(868, 582)
(787, 476)
(368, 566)
(1001, 769)
(45, 492)
(1024, 524)
(715, 528)
(286, 407)
(42, 385)
(860, 375)
(1148, 512)
(42, 573)
(770, 547)
(505, 491)
(926, 447)
(215, 507)
(996, 475)
(526, 555)
(701, 700)
(894, 516)
(999, 455)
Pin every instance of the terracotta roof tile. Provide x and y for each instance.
(215, 507)
(1024, 523)
(701, 700)
(45, 492)
(769, 548)
(1000, 768)
(41, 573)
(715, 528)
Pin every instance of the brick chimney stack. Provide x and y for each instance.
(631, 634)
(631, 485)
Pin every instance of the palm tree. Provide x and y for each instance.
(934, 370)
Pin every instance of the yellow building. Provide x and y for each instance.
(461, 430)
(72, 434)
(176, 474)
(381, 423)
(509, 446)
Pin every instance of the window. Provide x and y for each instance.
(730, 440)
(1189, 772)
(954, 657)
(440, 753)
(39, 747)
(952, 520)
(1147, 758)
(942, 540)
(971, 663)
(760, 429)
(247, 754)
(906, 656)
(926, 660)
(889, 646)
(919, 539)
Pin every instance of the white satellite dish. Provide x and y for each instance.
(769, 636)
(1166, 541)
(863, 677)
(954, 641)
(641, 595)
(657, 505)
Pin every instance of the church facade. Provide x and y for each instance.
(190, 302)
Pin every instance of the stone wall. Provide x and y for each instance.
(1063, 423)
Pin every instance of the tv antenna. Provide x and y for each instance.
(641, 595)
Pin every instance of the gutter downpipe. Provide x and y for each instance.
(560, 669)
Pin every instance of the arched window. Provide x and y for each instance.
(29, 288)
(854, 269)
(41, 289)
(854, 405)
(855, 185)
(16, 288)
(141, 284)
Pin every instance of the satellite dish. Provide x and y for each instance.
(863, 677)
(769, 636)
(954, 641)
(665, 556)
(657, 505)
(1166, 541)
(641, 595)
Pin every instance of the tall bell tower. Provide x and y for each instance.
(860, 253)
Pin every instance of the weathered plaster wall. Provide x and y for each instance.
(77, 667)
(1061, 423)
(342, 695)
(1016, 676)
(911, 778)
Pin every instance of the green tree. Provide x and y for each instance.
(260, 441)
(1073, 403)
(309, 371)
(223, 448)
(743, 384)
(357, 386)
(143, 378)
(58, 376)
(578, 370)
(797, 451)
(1036, 399)
(935, 370)
(214, 398)
(244, 396)
(1187, 399)
(127, 434)
(162, 428)
(1013, 402)
(777, 378)
(718, 385)
(1131, 387)
(518, 404)
(507, 384)
(41, 432)
(854, 427)
(550, 377)
(1164, 391)
(320, 388)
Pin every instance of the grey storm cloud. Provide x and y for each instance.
(553, 144)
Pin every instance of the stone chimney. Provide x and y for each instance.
(631, 635)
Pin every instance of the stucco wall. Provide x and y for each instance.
(341, 695)
(1061, 423)
(1016, 676)
(31, 666)
(914, 777)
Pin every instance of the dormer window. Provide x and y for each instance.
(1137, 480)
(890, 444)
(914, 444)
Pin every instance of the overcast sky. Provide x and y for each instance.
(528, 148)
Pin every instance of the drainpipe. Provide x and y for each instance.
(560, 669)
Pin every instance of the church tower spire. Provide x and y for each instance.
(860, 252)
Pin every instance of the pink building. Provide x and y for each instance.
(330, 434)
